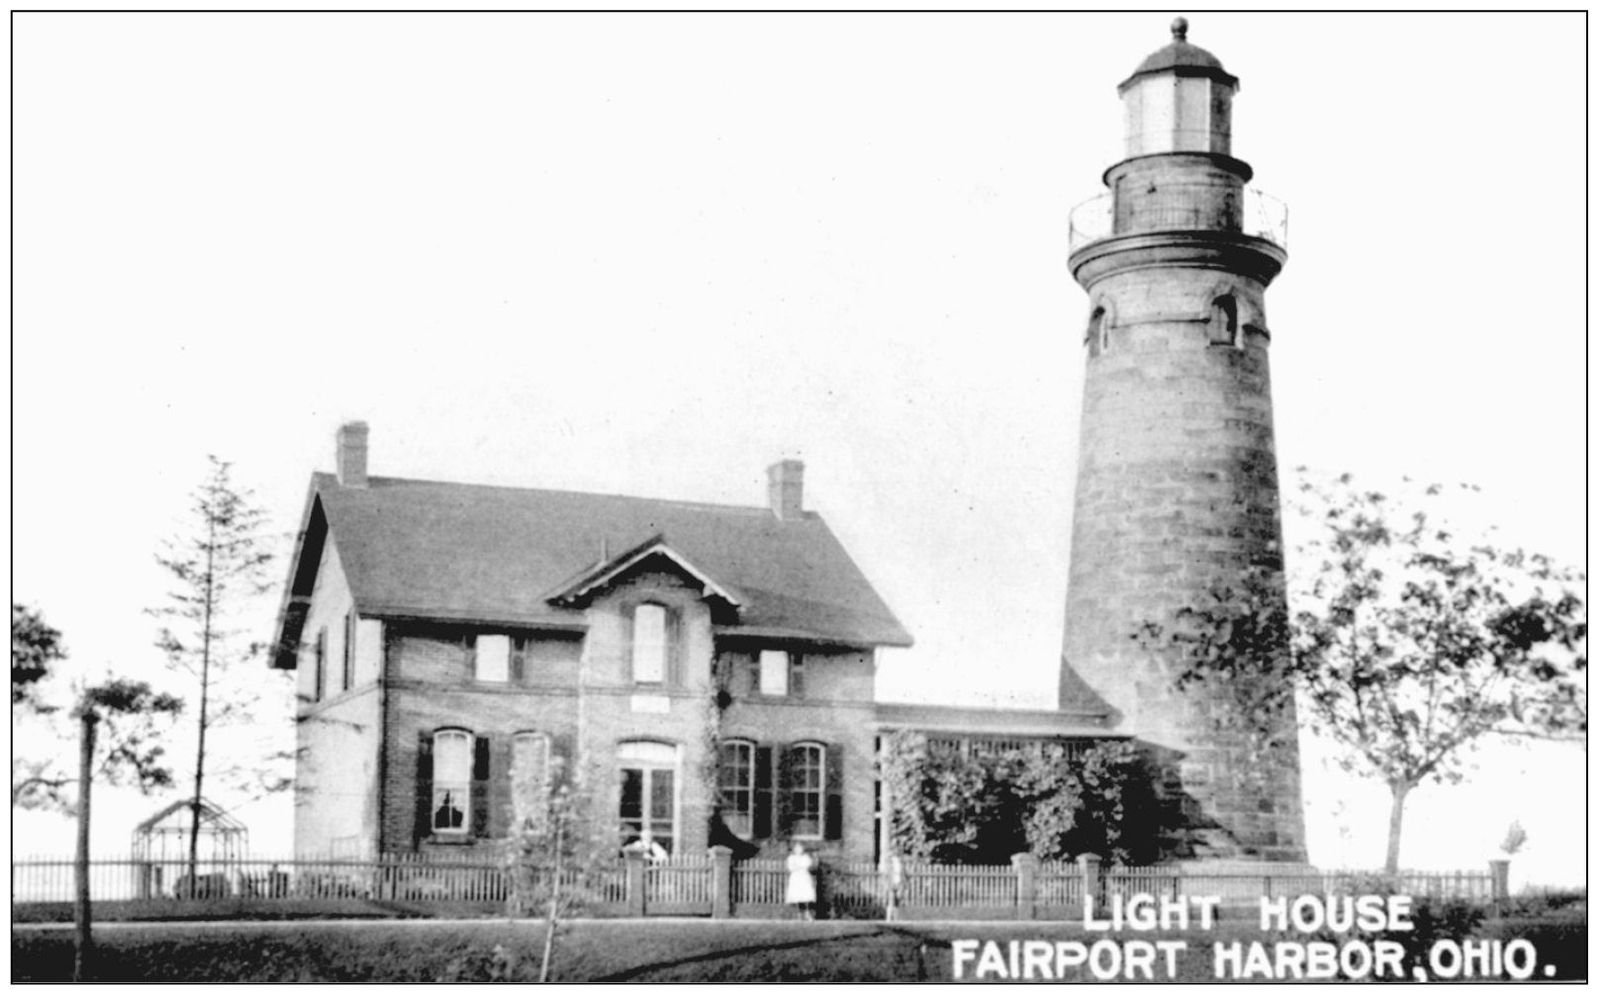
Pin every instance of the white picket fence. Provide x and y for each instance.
(688, 883)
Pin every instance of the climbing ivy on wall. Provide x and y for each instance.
(950, 805)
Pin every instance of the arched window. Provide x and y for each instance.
(805, 791)
(737, 781)
(453, 781)
(1225, 328)
(650, 642)
(1096, 331)
(648, 801)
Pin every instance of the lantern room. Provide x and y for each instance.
(1178, 100)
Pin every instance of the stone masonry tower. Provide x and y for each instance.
(1178, 493)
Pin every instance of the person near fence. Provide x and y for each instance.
(800, 890)
(893, 886)
(654, 852)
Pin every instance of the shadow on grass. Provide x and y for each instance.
(882, 953)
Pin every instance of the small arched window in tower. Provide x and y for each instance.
(1096, 331)
(1225, 327)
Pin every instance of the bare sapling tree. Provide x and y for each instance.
(219, 570)
(556, 848)
(129, 710)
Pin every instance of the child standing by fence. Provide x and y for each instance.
(799, 890)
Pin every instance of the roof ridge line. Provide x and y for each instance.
(692, 504)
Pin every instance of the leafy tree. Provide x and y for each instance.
(133, 715)
(218, 569)
(1407, 645)
(35, 649)
(1413, 647)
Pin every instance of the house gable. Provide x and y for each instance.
(655, 552)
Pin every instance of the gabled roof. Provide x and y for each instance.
(494, 555)
(575, 591)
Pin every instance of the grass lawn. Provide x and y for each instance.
(599, 950)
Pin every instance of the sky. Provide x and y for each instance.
(653, 254)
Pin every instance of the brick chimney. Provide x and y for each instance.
(785, 489)
(350, 454)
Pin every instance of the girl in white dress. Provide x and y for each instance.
(799, 891)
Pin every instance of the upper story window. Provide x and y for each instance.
(773, 673)
(492, 655)
(737, 782)
(806, 791)
(778, 673)
(453, 782)
(650, 643)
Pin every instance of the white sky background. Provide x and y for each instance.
(653, 254)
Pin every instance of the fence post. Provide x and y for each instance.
(1096, 884)
(1499, 868)
(722, 903)
(634, 863)
(1025, 865)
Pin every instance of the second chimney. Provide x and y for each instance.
(785, 489)
(350, 454)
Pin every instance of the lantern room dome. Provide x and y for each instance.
(1181, 58)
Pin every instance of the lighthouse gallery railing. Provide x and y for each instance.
(1262, 216)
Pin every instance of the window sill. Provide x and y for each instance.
(451, 840)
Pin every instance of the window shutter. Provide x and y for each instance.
(754, 672)
(515, 662)
(762, 807)
(796, 674)
(481, 786)
(348, 666)
(500, 787)
(786, 783)
(833, 775)
(470, 651)
(675, 662)
(425, 786)
(322, 659)
(628, 659)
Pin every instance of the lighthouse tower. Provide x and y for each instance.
(1178, 493)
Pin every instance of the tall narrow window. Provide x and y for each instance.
(453, 778)
(650, 642)
(348, 661)
(491, 657)
(806, 791)
(1096, 332)
(531, 763)
(647, 800)
(737, 781)
(320, 664)
(773, 675)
